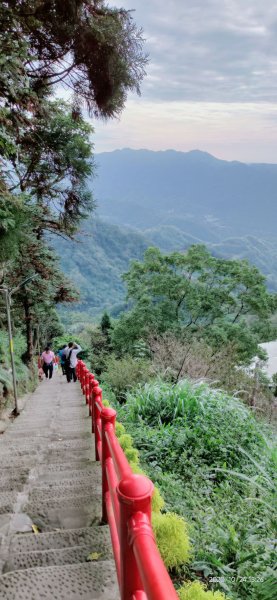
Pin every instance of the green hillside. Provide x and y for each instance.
(102, 253)
(95, 263)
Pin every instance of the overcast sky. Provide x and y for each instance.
(211, 81)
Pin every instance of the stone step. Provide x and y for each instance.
(35, 422)
(97, 537)
(29, 460)
(32, 420)
(59, 471)
(56, 435)
(20, 447)
(60, 456)
(61, 556)
(44, 469)
(68, 490)
(85, 581)
(7, 501)
(70, 512)
(49, 479)
(46, 558)
(15, 480)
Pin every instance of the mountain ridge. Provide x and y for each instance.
(141, 188)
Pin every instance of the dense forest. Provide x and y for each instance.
(46, 147)
(174, 356)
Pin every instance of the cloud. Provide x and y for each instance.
(209, 50)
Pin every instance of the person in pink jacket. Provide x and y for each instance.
(48, 358)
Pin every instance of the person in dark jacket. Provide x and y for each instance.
(61, 355)
(71, 360)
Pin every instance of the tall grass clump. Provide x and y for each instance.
(212, 424)
(215, 466)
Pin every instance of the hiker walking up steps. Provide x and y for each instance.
(71, 360)
(62, 356)
(47, 359)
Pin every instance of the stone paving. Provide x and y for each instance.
(50, 502)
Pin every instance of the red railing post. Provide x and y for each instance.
(80, 366)
(108, 416)
(82, 375)
(157, 584)
(95, 385)
(97, 420)
(91, 380)
(87, 386)
(134, 494)
(85, 371)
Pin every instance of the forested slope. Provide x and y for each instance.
(103, 251)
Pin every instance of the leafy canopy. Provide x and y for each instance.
(94, 50)
(195, 294)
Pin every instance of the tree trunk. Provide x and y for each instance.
(29, 354)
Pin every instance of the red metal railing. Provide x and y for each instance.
(126, 506)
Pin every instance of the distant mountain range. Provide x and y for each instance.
(171, 200)
(205, 197)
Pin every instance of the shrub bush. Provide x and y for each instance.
(196, 591)
(119, 429)
(125, 441)
(171, 534)
(123, 374)
(132, 455)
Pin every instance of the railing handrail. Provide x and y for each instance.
(126, 506)
(121, 464)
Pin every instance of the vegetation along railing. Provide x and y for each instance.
(126, 506)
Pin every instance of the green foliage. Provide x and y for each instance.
(61, 340)
(100, 255)
(45, 145)
(95, 49)
(171, 534)
(122, 374)
(106, 324)
(176, 357)
(196, 591)
(206, 420)
(100, 349)
(104, 251)
(106, 403)
(119, 429)
(132, 455)
(195, 292)
(125, 441)
(157, 500)
(25, 378)
(14, 224)
(214, 464)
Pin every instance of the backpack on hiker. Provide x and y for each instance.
(67, 360)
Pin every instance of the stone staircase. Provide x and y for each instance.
(52, 543)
